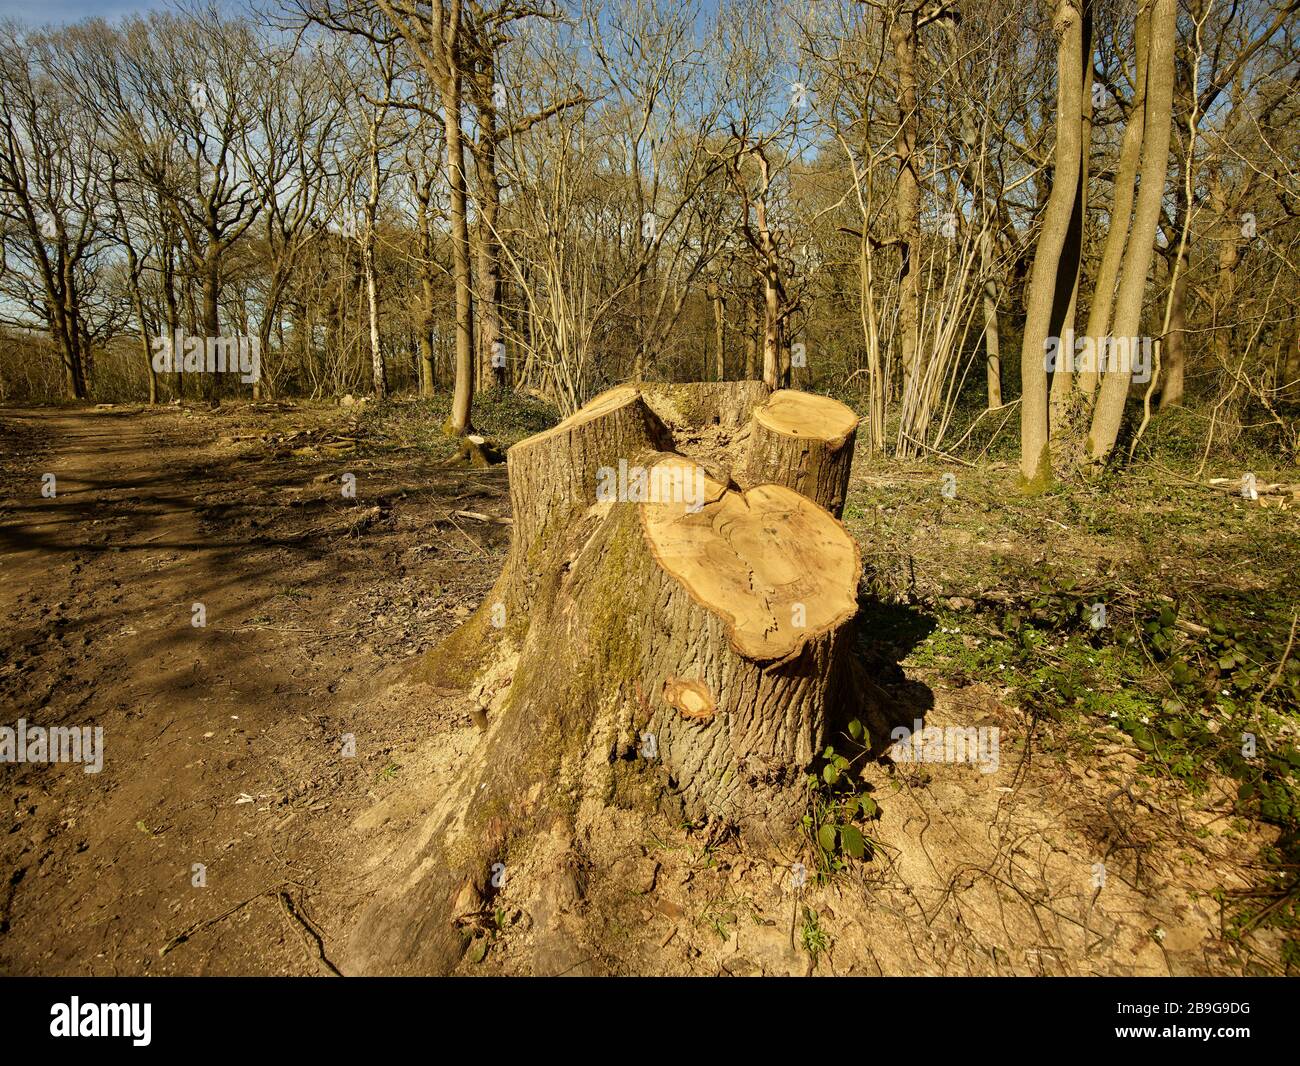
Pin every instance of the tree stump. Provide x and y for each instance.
(659, 637)
(803, 441)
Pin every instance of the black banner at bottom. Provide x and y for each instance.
(215, 1014)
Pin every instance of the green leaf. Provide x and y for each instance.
(852, 842)
(826, 838)
(869, 807)
(831, 774)
(855, 729)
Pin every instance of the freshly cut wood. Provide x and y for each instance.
(778, 569)
(691, 698)
(805, 442)
(677, 644)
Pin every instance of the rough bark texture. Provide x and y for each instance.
(805, 442)
(684, 655)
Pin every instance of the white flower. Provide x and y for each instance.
(1145, 720)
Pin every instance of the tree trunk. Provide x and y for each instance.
(719, 331)
(805, 442)
(489, 252)
(1048, 300)
(907, 196)
(428, 306)
(1109, 411)
(992, 336)
(1103, 295)
(447, 32)
(751, 336)
(211, 317)
(705, 642)
(1175, 342)
(378, 372)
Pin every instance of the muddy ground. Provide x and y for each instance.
(261, 768)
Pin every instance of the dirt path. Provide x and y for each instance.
(222, 742)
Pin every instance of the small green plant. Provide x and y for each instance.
(723, 914)
(839, 807)
(815, 940)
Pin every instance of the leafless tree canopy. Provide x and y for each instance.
(873, 199)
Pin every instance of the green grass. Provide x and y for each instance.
(1196, 655)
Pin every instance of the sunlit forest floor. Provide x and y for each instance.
(1141, 819)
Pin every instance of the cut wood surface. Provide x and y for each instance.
(805, 442)
(807, 416)
(770, 562)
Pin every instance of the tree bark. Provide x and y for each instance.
(719, 330)
(907, 194)
(992, 333)
(447, 31)
(1175, 342)
(805, 442)
(1046, 303)
(1109, 411)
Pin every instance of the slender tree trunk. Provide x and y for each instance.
(1061, 398)
(751, 335)
(1225, 281)
(172, 308)
(447, 29)
(1109, 411)
(907, 195)
(719, 327)
(1046, 303)
(211, 314)
(428, 368)
(992, 339)
(378, 371)
(1174, 346)
(489, 252)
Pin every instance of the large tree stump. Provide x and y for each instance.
(659, 637)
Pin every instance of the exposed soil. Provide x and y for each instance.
(229, 745)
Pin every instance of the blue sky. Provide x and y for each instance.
(39, 12)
